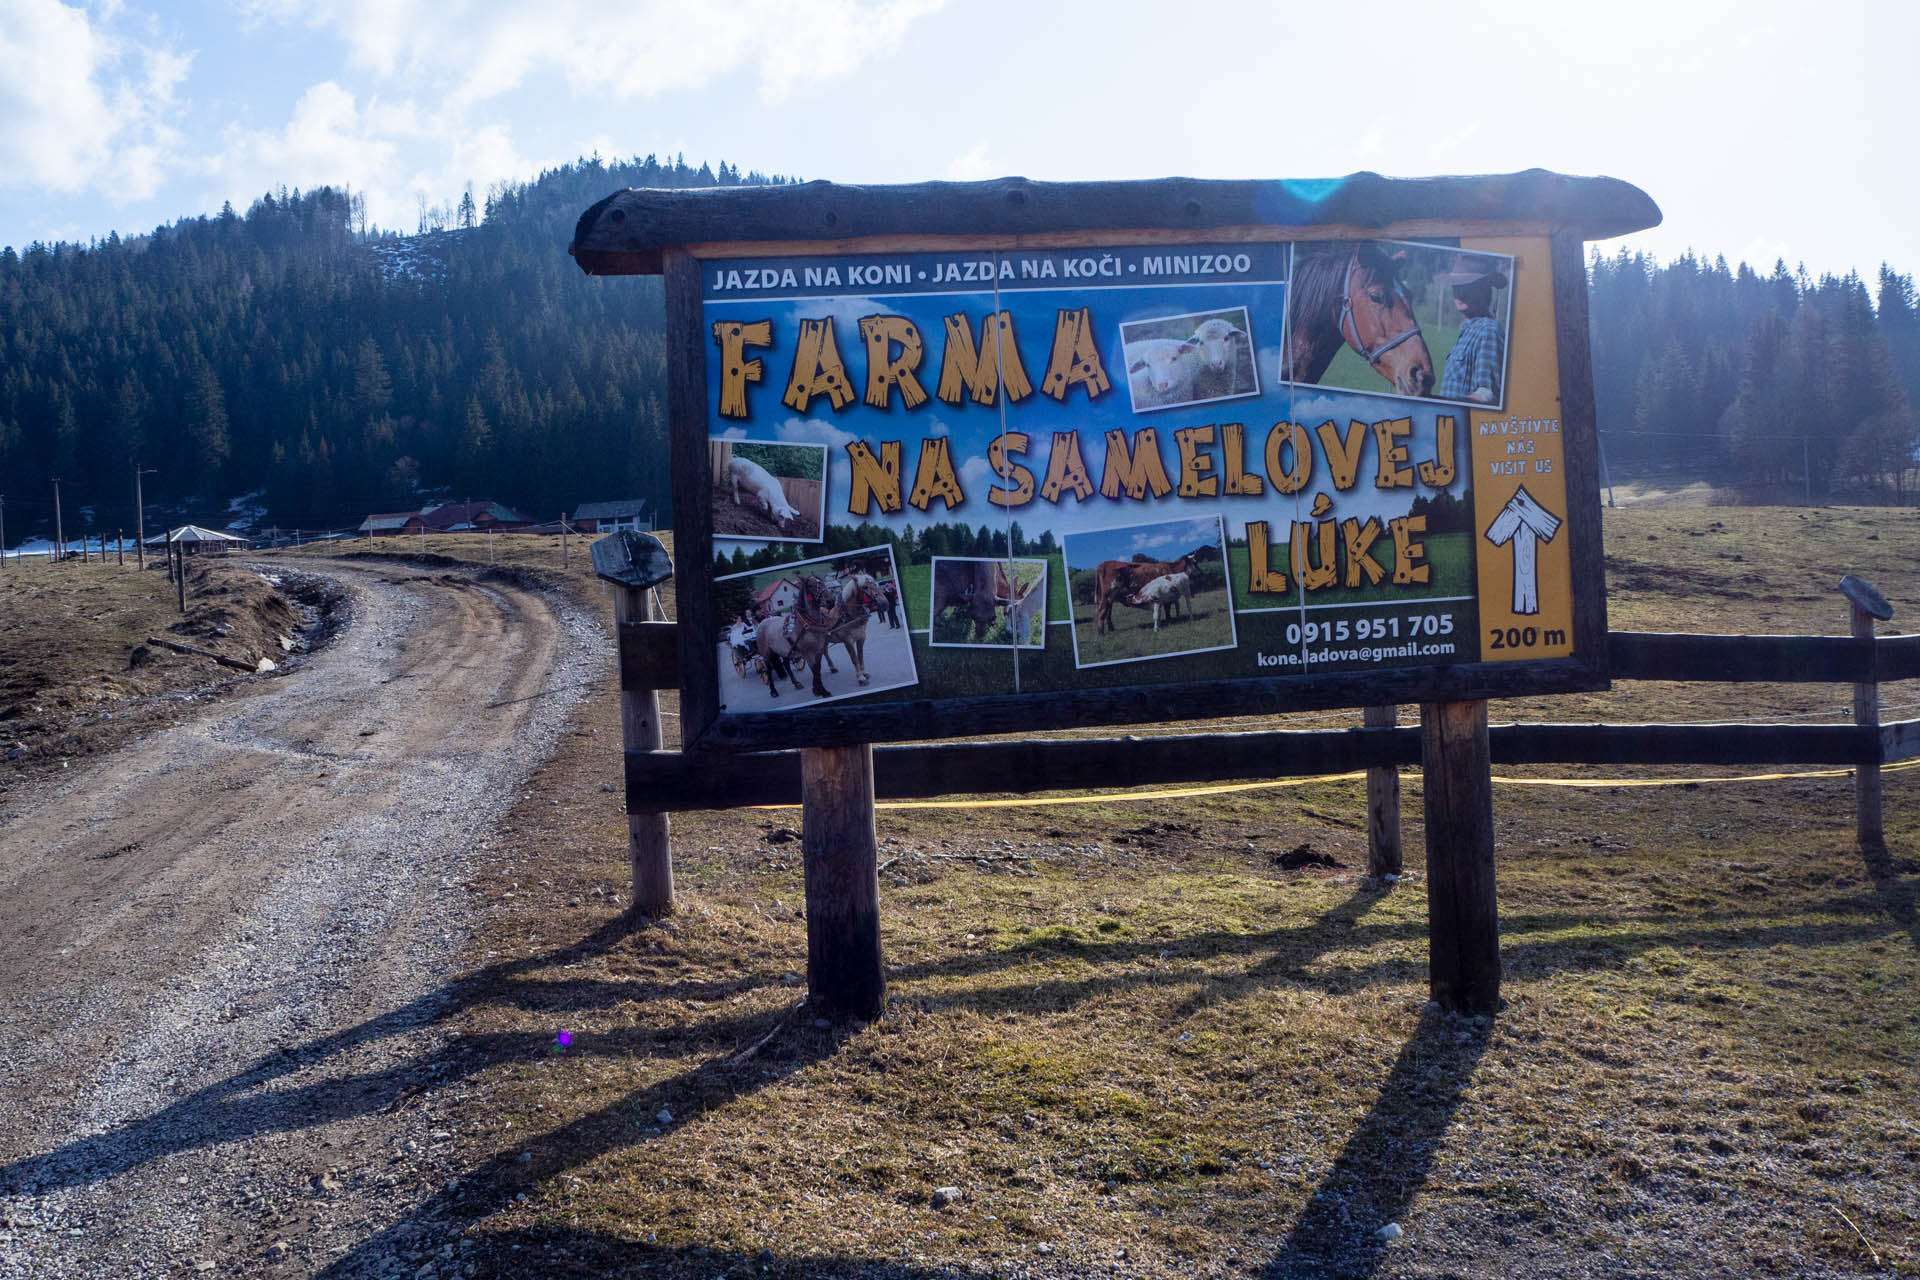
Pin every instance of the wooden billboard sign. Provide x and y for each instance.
(960, 459)
(1015, 455)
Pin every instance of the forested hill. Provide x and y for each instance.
(1778, 384)
(286, 350)
(278, 350)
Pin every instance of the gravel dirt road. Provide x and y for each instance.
(225, 948)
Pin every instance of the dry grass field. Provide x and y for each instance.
(1161, 1037)
(1186, 1035)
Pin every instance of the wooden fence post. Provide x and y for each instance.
(844, 970)
(1463, 946)
(647, 843)
(1864, 606)
(1383, 802)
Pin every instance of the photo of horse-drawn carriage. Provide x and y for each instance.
(1149, 591)
(1398, 318)
(987, 604)
(768, 492)
(790, 622)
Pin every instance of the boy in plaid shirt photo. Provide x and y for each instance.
(1477, 360)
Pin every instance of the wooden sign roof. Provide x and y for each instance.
(626, 233)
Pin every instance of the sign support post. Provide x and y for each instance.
(1865, 606)
(1383, 802)
(1463, 947)
(632, 563)
(647, 838)
(844, 970)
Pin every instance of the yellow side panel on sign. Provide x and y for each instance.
(1519, 479)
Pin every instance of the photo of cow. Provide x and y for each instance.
(988, 604)
(1149, 591)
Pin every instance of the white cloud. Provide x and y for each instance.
(814, 431)
(971, 166)
(81, 105)
(470, 52)
(365, 126)
(976, 477)
(393, 152)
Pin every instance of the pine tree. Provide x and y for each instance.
(208, 443)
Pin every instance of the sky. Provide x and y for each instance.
(1762, 129)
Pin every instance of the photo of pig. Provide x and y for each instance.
(768, 492)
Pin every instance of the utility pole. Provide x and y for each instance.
(139, 518)
(59, 533)
(563, 540)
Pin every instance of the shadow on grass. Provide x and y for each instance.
(627, 1124)
(1287, 954)
(257, 1100)
(576, 1254)
(1388, 1158)
(1896, 895)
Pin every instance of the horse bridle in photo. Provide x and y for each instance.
(808, 585)
(1350, 331)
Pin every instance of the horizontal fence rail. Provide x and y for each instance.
(650, 657)
(667, 781)
(709, 781)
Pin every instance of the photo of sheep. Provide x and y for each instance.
(1188, 359)
(987, 604)
(768, 492)
(1397, 318)
(1149, 591)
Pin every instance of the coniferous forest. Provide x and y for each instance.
(338, 370)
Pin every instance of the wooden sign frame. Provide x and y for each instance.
(675, 233)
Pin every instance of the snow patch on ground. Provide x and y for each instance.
(423, 258)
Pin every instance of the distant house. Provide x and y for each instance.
(606, 517)
(391, 525)
(474, 517)
(193, 540)
(780, 597)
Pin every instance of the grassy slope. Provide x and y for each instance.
(70, 681)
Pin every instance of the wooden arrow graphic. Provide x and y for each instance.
(1523, 522)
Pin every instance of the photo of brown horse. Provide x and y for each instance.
(1351, 294)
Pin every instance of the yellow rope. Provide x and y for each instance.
(1230, 788)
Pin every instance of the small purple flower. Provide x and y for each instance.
(562, 1040)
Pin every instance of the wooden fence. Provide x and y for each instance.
(1453, 744)
(667, 781)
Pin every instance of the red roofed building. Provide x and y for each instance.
(777, 598)
(458, 517)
